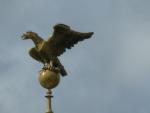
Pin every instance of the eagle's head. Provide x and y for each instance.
(29, 35)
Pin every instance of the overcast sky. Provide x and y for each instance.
(108, 73)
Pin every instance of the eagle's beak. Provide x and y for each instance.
(24, 36)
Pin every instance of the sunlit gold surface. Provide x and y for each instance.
(49, 79)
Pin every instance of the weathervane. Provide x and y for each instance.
(47, 52)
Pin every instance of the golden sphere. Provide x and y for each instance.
(49, 79)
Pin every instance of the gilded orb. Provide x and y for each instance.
(49, 79)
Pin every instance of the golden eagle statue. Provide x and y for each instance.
(47, 52)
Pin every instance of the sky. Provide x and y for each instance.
(108, 73)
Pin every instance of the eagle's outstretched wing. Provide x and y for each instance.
(64, 38)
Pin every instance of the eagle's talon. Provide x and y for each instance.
(45, 67)
(52, 68)
(55, 69)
